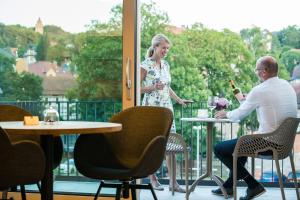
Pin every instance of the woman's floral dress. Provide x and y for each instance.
(154, 75)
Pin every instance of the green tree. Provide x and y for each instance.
(42, 47)
(16, 36)
(6, 69)
(219, 56)
(28, 87)
(25, 86)
(257, 40)
(290, 36)
(290, 59)
(99, 68)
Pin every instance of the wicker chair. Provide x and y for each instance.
(175, 145)
(280, 142)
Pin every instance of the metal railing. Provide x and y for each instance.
(103, 110)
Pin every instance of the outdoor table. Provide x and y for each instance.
(48, 132)
(209, 150)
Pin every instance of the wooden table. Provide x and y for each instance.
(48, 132)
(209, 149)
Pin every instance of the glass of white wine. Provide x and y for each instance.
(212, 104)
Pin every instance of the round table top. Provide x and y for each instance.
(198, 119)
(62, 127)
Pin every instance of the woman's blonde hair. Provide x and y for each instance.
(156, 40)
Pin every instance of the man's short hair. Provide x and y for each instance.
(269, 64)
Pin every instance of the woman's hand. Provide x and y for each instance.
(159, 86)
(184, 101)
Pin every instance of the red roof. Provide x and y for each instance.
(53, 85)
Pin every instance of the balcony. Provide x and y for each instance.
(102, 110)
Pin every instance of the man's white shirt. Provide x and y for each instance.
(274, 101)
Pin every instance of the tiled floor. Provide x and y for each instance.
(204, 193)
(200, 193)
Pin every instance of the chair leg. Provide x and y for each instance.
(133, 194)
(4, 194)
(23, 192)
(186, 163)
(118, 192)
(234, 177)
(125, 190)
(173, 172)
(279, 177)
(152, 191)
(98, 191)
(294, 174)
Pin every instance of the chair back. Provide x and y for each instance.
(140, 125)
(14, 113)
(21, 163)
(283, 138)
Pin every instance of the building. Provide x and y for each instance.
(29, 56)
(39, 27)
(56, 80)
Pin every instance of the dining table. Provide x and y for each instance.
(209, 150)
(48, 132)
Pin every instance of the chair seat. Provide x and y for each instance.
(176, 144)
(174, 148)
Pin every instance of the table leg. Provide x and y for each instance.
(47, 181)
(208, 173)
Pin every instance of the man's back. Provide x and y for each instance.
(277, 102)
(274, 100)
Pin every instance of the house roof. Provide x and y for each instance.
(56, 80)
(41, 68)
(57, 86)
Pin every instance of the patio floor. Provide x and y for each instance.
(204, 193)
(200, 193)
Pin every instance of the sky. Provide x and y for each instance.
(73, 15)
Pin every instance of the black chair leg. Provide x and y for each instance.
(125, 191)
(23, 192)
(152, 191)
(98, 191)
(13, 189)
(133, 194)
(118, 192)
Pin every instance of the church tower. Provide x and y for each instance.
(39, 26)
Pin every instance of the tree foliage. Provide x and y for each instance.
(290, 59)
(289, 36)
(202, 60)
(42, 48)
(25, 86)
(99, 68)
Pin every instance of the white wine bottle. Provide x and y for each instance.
(237, 92)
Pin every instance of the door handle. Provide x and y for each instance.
(128, 79)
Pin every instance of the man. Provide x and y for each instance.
(274, 100)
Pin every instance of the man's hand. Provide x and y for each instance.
(221, 114)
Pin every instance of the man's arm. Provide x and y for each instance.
(250, 104)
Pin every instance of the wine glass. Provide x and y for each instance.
(212, 104)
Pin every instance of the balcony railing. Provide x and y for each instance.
(103, 110)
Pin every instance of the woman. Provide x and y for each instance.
(156, 87)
